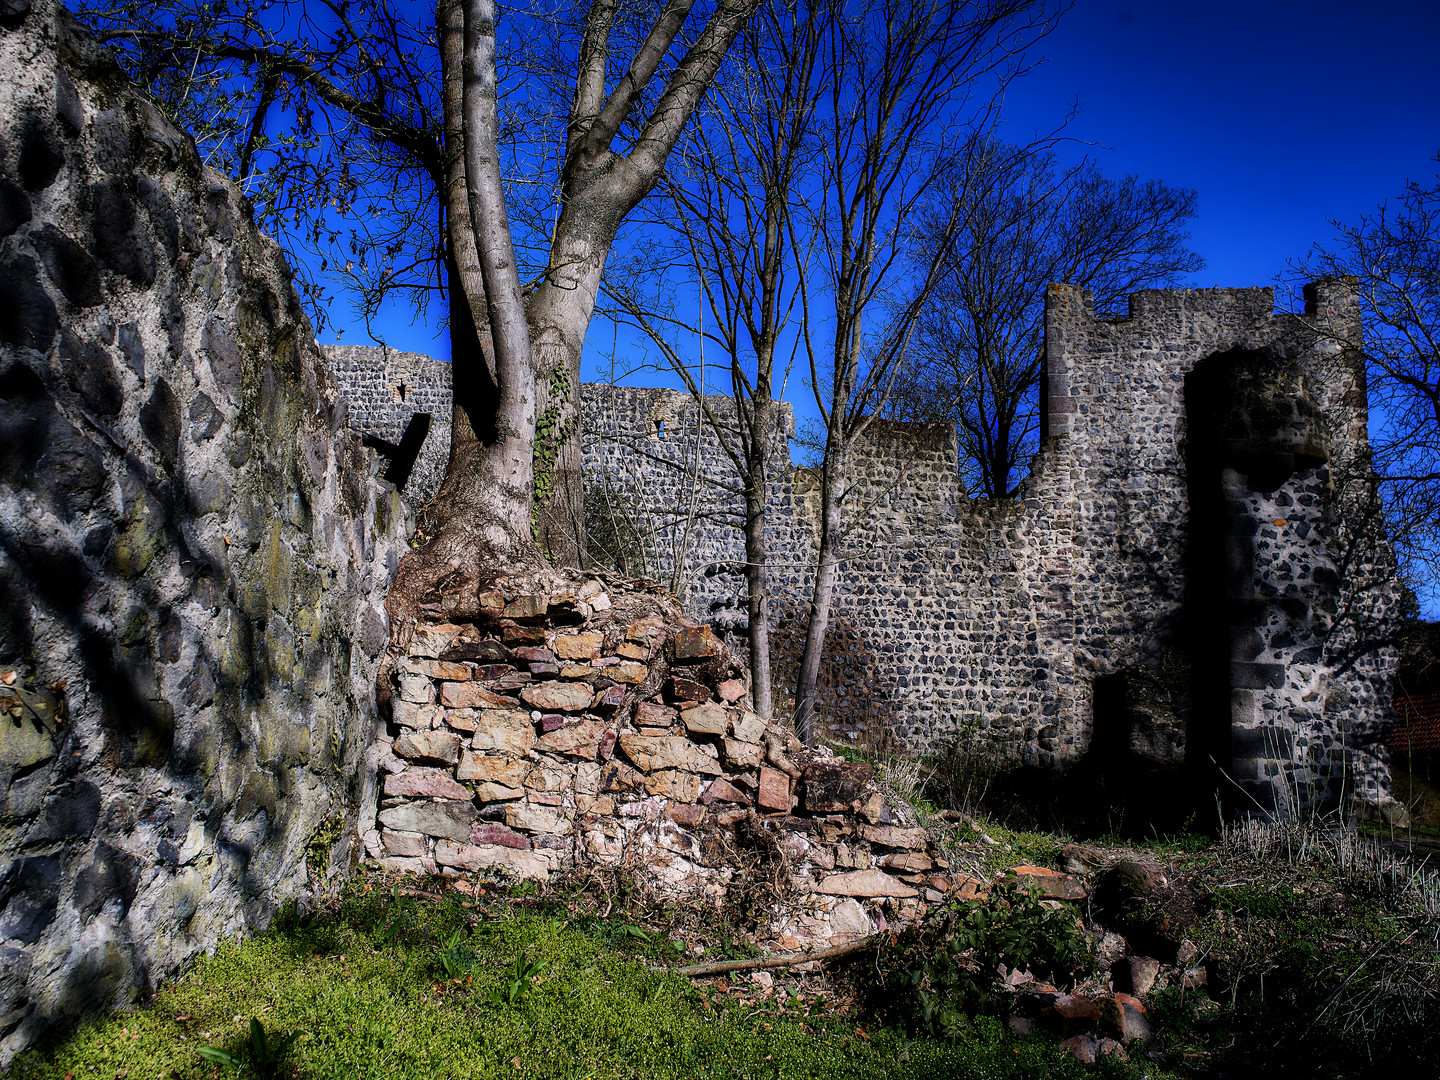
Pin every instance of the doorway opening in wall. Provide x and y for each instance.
(1208, 568)
(1130, 782)
(1251, 426)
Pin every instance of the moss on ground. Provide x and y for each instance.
(375, 987)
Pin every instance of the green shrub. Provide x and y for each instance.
(930, 976)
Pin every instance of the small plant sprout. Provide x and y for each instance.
(264, 1051)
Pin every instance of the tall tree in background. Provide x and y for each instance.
(1394, 255)
(732, 189)
(419, 110)
(920, 80)
(1024, 222)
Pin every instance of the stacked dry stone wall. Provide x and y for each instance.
(569, 730)
(193, 552)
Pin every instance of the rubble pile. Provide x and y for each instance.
(554, 730)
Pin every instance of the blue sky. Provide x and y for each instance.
(1282, 114)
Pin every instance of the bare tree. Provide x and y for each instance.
(433, 99)
(910, 69)
(1025, 222)
(1394, 256)
(731, 192)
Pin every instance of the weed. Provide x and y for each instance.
(265, 1052)
(322, 843)
(932, 975)
(454, 959)
(517, 983)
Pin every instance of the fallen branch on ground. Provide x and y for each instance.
(721, 967)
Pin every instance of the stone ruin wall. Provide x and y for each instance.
(994, 620)
(193, 612)
(383, 396)
(191, 608)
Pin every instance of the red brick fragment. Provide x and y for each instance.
(499, 834)
(731, 690)
(695, 643)
(721, 790)
(774, 790)
(679, 689)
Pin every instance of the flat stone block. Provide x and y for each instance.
(508, 771)
(413, 715)
(448, 819)
(721, 790)
(499, 835)
(748, 727)
(774, 793)
(506, 732)
(740, 755)
(431, 783)
(705, 720)
(559, 696)
(892, 837)
(547, 777)
(866, 883)
(533, 606)
(653, 714)
(531, 818)
(404, 844)
(652, 752)
(573, 740)
(471, 695)
(682, 787)
(525, 864)
(442, 747)
(628, 672)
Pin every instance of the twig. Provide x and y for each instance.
(720, 967)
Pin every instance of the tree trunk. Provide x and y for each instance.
(514, 472)
(560, 311)
(757, 601)
(481, 517)
(827, 570)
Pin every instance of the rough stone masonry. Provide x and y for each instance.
(571, 725)
(1192, 573)
(190, 601)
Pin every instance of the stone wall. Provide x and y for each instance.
(385, 389)
(579, 726)
(993, 621)
(193, 551)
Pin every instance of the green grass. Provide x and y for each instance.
(367, 988)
